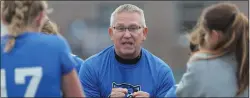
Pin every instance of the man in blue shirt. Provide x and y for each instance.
(125, 69)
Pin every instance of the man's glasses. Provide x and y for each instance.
(132, 29)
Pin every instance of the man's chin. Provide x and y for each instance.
(128, 52)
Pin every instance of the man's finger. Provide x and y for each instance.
(123, 90)
(137, 93)
(140, 94)
(117, 94)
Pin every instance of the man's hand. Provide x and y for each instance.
(118, 92)
(141, 94)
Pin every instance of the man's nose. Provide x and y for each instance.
(127, 33)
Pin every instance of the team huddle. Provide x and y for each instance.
(36, 61)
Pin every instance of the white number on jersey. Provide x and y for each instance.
(20, 74)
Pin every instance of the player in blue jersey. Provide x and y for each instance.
(125, 69)
(50, 27)
(79, 62)
(34, 64)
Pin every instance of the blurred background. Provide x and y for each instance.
(85, 25)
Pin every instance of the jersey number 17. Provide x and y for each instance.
(20, 74)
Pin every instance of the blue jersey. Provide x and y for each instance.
(79, 62)
(35, 65)
(171, 93)
(102, 72)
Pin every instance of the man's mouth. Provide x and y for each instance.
(127, 43)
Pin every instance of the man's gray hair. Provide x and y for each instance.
(127, 8)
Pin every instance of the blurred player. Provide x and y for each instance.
(221, 66)
(34, 64)
(50, 27)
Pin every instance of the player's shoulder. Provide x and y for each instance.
(79, 62)
(77, 58)
(38, 40)
(50, 38)
(52, 41)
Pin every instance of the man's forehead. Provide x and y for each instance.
(126, 24)
(127, 18)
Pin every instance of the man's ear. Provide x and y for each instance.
(110, 30)
(145, 33)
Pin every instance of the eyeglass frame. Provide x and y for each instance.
(128, 28)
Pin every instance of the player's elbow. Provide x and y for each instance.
(71, 85)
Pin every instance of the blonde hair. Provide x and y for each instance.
(127, 8)
(18, 15)
(50, 27)
(233, 24)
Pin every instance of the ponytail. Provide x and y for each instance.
(16, 26)
(242, 51)
(50, 28)
(18, 15)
